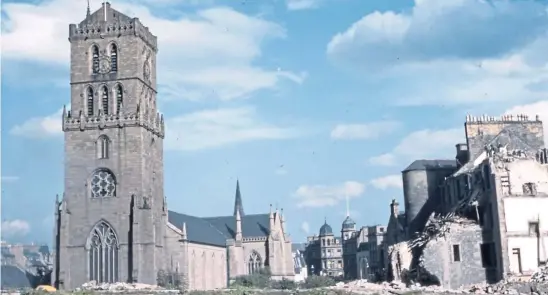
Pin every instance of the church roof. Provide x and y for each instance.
(216, 230)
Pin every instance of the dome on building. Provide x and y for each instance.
(326, 230)
(348, 223)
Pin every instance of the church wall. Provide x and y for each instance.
(203, 266)
(255, 246)
(207, 267)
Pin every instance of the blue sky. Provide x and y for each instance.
(306, 102)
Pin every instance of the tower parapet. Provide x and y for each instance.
(109, 23)
(154, 124)
(485, 119)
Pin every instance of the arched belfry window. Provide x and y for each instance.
(113, 58)
(105, 100)
(254, 264)
(103, 184)
(95, 59)
(90, 101)
(119, 98)
(102, 146)
(103, 254)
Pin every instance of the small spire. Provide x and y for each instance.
(325, 220)
(88, 12)
(238, 206)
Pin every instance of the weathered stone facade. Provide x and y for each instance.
(113, 223)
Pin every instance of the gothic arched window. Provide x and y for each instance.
(254, 264)
(119, 98)
(95, 59)
(103, 184)
(105, 101)
(103, 254)
(113, 58)
(102, 146)
(90, 101)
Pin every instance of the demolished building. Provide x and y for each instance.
(481, 217)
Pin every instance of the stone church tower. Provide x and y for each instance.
(110, 224)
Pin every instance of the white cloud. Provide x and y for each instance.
(7, 179)
(539, 108)
(40, 127)
(383, 160)
(422, 144)
(305, 227)
(16, 227)
(327, 195)
(364, 131)
(210, 54)
(302, 4)
(194, 131)
(386, 182)
(459, 63)
(220, 127)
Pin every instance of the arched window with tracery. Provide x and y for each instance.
(103, 184)
(90, 101)
(254, 263)
(103, 254)
(102, 146)
(105, 100)
(95, 59)
(119, 98)
(113, 58)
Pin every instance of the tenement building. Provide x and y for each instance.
(113, 223)
(481, 217)
(324, 253)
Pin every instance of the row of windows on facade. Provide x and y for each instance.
(113, 52)
(105, 100)
(330, 264)
(328, 242)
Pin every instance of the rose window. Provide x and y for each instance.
(103, 184)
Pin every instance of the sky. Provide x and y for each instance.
(311, 104)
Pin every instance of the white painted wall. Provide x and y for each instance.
(523, 171)
(519, 211)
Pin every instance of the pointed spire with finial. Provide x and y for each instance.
(88, 12)
(238, 205)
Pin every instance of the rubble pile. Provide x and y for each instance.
(119, 287)
(437, 227)
(505, 287)
(541, 276)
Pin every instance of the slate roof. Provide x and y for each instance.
(216, 230)
(13, 278)
(431, 165)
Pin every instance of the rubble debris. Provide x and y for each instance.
(541, 275)
(504, 287)
(120, 287)
(438, 226)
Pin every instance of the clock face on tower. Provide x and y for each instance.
(104, 65)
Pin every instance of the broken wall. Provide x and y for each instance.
(438, 257)
(399, 261)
